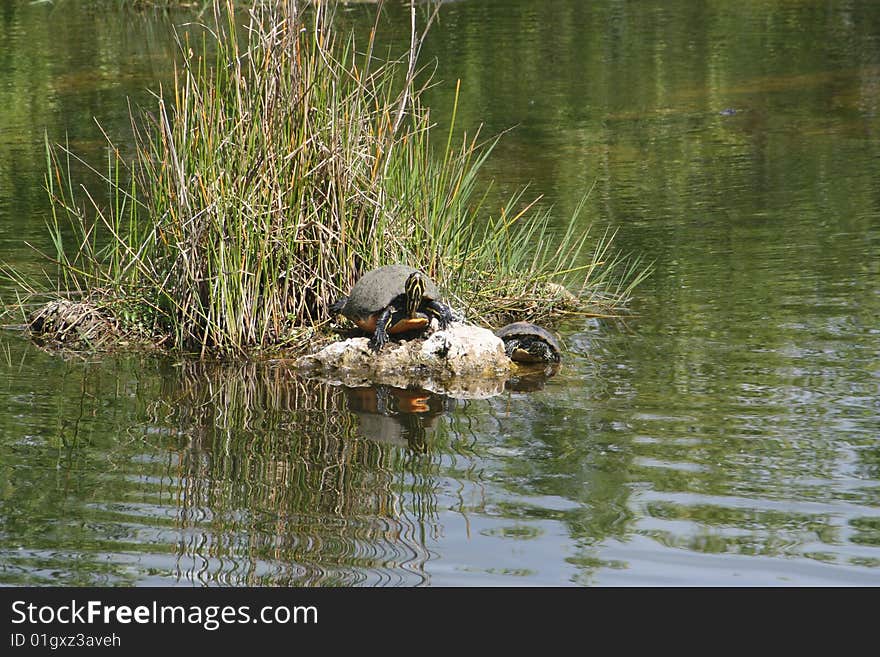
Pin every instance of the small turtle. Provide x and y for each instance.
(393, 299)
(525, 342)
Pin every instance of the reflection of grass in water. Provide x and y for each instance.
(137, 471)
(273, 472)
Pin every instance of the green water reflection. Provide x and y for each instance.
(726, 434)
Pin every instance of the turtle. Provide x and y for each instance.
(525, 342)
(393, 299)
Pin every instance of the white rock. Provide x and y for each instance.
(462, 361)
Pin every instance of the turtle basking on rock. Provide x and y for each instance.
(525, 342)
(393, 299)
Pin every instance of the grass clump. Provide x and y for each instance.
(276, 171)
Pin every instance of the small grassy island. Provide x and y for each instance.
(285, 161)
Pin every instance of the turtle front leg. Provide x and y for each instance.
(380, 335)
(441, 312)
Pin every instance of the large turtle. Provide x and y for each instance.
(525, 342)
(393, 299)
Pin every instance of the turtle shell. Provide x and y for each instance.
(375, 291)
(525, 333)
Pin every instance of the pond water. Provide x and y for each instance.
(727, 434)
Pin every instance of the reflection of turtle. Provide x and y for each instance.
(397, 416)
(525, 342)
(531, 379)
(393, 299)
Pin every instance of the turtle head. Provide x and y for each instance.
(415, 290)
